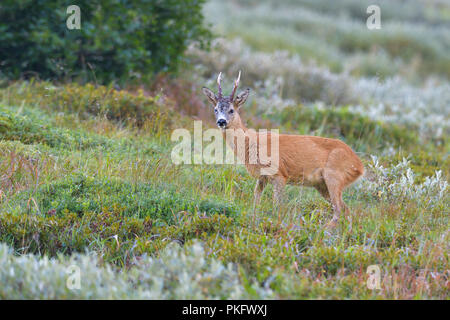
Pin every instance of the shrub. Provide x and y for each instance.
(333, 33)
(394, 101)
(176, 274)
(300, 80)
(280, 80)
(90, 100)
(81, 194)
(398, 182)
(358, 130)
(70, 233)
(123, 39)
(118, 239)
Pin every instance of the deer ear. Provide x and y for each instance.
(242, 97)
(210, 95)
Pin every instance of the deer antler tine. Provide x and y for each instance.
(236, 84)
(219, 78)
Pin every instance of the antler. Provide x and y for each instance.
(236, 84)
(219, 78)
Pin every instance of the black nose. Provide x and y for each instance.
(221, 122)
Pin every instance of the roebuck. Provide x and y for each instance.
(328, 165)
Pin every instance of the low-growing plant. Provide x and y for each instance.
(333, 34)
(175, 274)
(72, 180)
(359, 131)
(90, 100)
(398, 182)
(81, 194)
(300, 81)
(116, 238)
(33, 127)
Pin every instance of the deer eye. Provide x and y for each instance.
(231, 111)
(215, 110)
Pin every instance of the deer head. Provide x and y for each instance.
(226, 107)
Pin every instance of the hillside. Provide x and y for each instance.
(87, 178)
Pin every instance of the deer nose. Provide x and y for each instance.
(221, 122)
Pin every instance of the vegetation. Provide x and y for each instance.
(355, 129)
(163, 278)
(414, 35)
(87, 180)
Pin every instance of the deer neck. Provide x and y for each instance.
(238, 129)
(237, 124)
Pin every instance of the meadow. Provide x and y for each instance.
(87, 179)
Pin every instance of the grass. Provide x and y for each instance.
(86, 176)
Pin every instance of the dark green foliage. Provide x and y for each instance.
(80, 194)
(359, 131)
(117, 39)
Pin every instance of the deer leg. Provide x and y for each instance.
(335, 187)
(323, 190)
(278, 188)
(259, 188)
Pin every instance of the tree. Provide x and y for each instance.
(118, 39)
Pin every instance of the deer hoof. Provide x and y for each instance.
(332, 224)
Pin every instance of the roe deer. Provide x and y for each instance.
(328, 165)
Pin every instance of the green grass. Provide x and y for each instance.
(30, 126)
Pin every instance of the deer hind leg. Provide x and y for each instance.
(335, 186)
(259, 188)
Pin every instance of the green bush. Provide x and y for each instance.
(123, 39)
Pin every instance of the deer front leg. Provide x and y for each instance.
(259, 188)
(278, 188)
